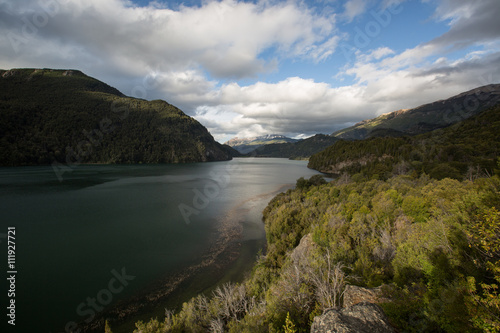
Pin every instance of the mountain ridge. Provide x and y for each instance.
(426, 117)
(65, 117)
(301, 149)
(247, 145)
(453, 151)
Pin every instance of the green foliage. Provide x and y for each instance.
(405, 231)
(415, 207)
(107, 328)
(289, 326)
(153, 326)
(67, 117)
(316, 180)
(406, 307)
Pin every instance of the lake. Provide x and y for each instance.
(132, 237)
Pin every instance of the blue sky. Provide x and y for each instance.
(266, 66)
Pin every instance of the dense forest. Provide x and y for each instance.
(418, 217)
(65, 117)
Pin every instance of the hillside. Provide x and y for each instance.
(233, 152)
(427, 117)
(247, 145)
(296, 150)
(455, 151)
(66, 117)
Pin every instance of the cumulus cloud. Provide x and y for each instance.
(292, 107)
(471, 22)
(385, 82)
(225, 38)
(194, 57)
(297, 106)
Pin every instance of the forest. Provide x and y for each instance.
(417, 216)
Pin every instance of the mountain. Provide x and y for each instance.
(296, 150)
(459, 151)
(233, 152)
(246, 145)
(427, 117)
(64, 116)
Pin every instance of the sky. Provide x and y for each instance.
(249, 68)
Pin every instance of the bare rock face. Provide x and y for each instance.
(354, 295)
(363, 317)
(305, 247)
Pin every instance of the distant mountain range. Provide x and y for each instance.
(404, 122)
(301, 149)
(247, 145)
(426, 117)
(65, 117)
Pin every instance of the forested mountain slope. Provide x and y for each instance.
(63, 116)
(460, 150)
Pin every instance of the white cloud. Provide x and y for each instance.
(353, 8)
(192, 57)
(471, 22)
(297, 106)
(294, 107)
(381, 52)
(226, 38)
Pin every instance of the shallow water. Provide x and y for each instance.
(106, 233)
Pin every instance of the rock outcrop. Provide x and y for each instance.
(354, 295)
(303, 250)
(359, 314)
(359, 318)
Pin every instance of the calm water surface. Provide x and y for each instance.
(76, 236)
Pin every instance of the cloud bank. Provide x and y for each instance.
(210, 59)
